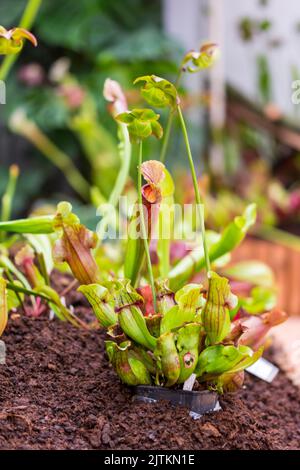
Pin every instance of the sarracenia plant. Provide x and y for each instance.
(161, 93)
(29, 273)
(163, 332)
(192, 332)
(200, 329)
(192, 62)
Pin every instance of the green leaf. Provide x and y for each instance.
(42, 246)
(165, 297)
(142, 123)
(143, 43)
(135, 247)
(10, 15)
(234, 233)
(60, 310)
(165, 224)
(190, 297)
(168, 357)
(13, 300)
(189, 300)
(261, 300)
(254, 272)
(215, 360)
(131, 319)
(203, 59)
(153, 173)
(128, 364)
(215, 315)
(139, 370)
(74, 245)
(231, 237)
(188, 343)
(102, 303)
(175, 318)
(158, 92)
(126, 118)
(33, 225)
(134, 325)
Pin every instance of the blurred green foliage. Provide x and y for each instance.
(120, 39)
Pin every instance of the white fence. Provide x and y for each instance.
(188, 20)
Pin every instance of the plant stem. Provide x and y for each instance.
(125, 151)
(23, 290)
(169, 125)
(200, 206)
(9, 266)
(26, 22)
(7, 198)
(143, 226)
(167, 133)
(43, 268)
(11, 280)
(35, 225)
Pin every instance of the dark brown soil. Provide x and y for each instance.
(58, 391)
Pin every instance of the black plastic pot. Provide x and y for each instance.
(198, 402)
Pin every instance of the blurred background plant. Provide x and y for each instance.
(55, 102)
(55, 93)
